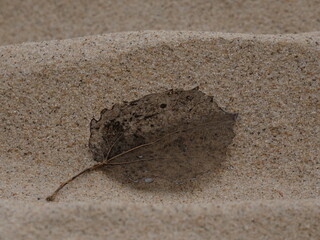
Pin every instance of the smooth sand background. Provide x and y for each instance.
(269, 187)
(33, 20)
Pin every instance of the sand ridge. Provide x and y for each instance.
(83, 220)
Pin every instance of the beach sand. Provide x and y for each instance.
(266, 183)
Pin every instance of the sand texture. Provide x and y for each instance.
(236, 112)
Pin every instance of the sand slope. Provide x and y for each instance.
(51, 90)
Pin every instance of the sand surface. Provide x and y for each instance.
(265, 180)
